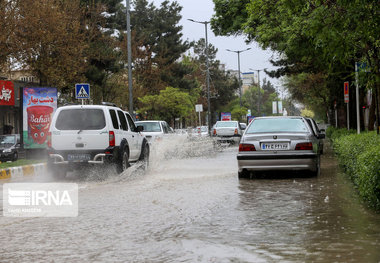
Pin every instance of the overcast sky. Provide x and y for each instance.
(202, 10)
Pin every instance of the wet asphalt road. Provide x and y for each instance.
(191, 207)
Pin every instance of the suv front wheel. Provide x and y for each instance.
(144, 157)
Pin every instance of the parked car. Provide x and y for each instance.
(10, 147)
(94, 134)
(317, 133)
(155, 130)
(278, 143)
(227, 132)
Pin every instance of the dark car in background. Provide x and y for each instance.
(9, 147)
(317, 133)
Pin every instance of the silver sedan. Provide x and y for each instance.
(278, 143)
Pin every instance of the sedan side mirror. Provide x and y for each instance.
(140, 128)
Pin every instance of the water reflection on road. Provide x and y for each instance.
(190, 207)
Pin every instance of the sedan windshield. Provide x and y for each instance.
(150, 126)
(6, 140)
(277, 125)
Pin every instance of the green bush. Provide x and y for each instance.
(334, 133)
(359, 155)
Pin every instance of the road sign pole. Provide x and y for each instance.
(348, 115)
(357, 98)
(347, 101)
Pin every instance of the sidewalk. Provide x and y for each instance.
(20, 171)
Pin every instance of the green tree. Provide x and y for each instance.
(314, 37)
(171, 103)
(49, 40)
(238, 113)
(103, 54)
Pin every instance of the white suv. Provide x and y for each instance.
(94, 134)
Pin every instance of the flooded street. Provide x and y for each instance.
(191, 207)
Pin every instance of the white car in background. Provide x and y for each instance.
(155, 130)
(201, 131)
(227, 132)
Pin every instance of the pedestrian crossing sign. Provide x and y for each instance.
(82, 91)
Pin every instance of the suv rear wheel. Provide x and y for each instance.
(123, 162)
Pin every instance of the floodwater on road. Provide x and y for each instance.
(191, 207)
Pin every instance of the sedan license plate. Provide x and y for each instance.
(274, 146)
(78, 157)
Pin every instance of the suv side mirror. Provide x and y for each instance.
(139, 128)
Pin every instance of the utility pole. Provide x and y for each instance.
(129, 51)
(207, 75)
(238, 52)
(258, 83)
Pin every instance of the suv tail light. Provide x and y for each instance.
(304, 146)
(49, 139)
(236, 131)
(243, 147)
(111, 138)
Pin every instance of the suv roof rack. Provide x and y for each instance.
(109, 104)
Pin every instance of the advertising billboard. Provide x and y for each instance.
(39, 104)
(225, 116)
(7, 94)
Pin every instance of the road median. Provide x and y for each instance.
(22, 171)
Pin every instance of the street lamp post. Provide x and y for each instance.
(207, 75)
(258, 83)
(129, 51)
(238, 52)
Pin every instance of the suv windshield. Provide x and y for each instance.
(81, 119)
(150, 126)
(277, 125)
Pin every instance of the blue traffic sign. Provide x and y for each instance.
(82, 91)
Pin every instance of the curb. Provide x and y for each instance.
(21, 171)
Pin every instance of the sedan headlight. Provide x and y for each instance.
(7, 150)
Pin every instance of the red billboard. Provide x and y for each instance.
(7, 93)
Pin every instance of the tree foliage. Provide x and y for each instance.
(45, 37)
(171, 103)
(321, 40)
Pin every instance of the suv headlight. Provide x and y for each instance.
(7, 150)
